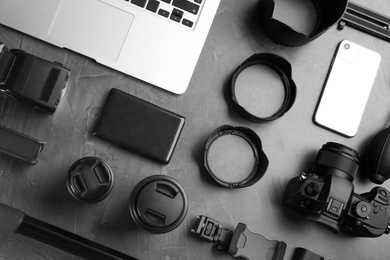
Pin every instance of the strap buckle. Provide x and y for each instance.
(241, 242)
(211, 231)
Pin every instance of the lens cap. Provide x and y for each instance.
(158, 204)
(90, 179)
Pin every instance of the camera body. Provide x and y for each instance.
(326, 195)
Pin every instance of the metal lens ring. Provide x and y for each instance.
(234, 157)
(283, 68)
(329, 12)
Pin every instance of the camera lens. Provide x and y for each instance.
(337, 159)
(347, 46)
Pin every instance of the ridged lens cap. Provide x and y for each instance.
(90, 179)
(158, 204)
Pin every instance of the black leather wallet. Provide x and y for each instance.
(139, 126)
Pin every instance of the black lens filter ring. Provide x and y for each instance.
(252, 140)
(329, 12)
(283, 68)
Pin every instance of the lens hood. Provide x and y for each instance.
(283, 68)
(329, 12)
(223, 162)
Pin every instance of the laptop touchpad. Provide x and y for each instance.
(91, 27)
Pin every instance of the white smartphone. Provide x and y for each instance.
(347, 88)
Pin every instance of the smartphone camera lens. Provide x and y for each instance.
(347, 46)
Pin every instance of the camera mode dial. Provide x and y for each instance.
(362, 209)
(382, 196)
(381, 200)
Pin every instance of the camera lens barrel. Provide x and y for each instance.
(337, 159)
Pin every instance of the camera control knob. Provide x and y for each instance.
(362, 209)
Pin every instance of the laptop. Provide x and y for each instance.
(156, 41)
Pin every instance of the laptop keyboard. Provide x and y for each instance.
(182, 12)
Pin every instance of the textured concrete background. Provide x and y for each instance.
(290, 143)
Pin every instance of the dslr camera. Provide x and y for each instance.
(326, 195)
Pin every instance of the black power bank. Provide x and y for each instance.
(139, 126)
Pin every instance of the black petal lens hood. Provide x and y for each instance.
(260, 163)
(378, 157)
(329, 12)
(283, 68)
